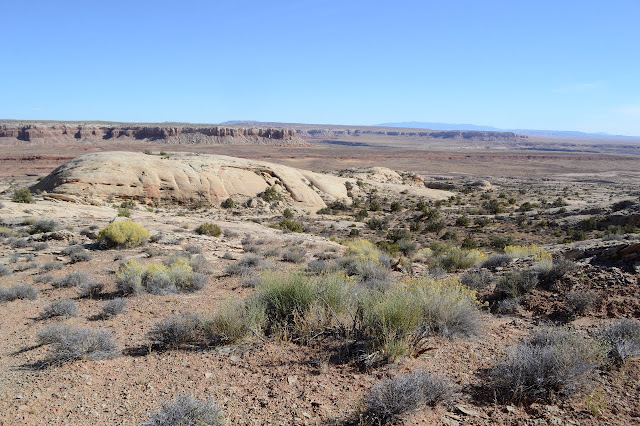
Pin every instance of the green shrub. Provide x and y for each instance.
(122, 234)
(209, 229)
(270, 194)
(22, 196)
(287, 213)
(291, 225)
(396, 207)
(397, 321)
(123, 212)
(228, 203)
(285, 296)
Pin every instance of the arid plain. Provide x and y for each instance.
(496, 273)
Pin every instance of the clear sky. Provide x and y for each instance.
(536, 64)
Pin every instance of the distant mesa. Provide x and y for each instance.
(171, 133)
(182, 178)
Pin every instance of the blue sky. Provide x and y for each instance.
(561, 65)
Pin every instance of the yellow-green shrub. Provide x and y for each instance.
(129, 277)
(157, 278)
(455, 258)
(539, 254)
(123, 233)
(363, 250)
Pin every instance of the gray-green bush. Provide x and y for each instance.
(401, 394)
(60, 308)
(551, 363)
(68, 344)
(20, 291)
(186, 410)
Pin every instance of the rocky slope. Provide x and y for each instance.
(14, 132)
(186, 177)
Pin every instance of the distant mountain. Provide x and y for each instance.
(439, 126)
(529, 132)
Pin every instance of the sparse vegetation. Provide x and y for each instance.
(20, 291)
(72, 279)
(69, 344)
(157, 278)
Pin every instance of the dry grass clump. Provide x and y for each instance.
(538, 253)
(496, 261)
(550, 271)
(477, 279)
(68, 344)
(551, 363)
(294, 255)
(186, 410)
(402, 394)
(20, 291)
(122, 234)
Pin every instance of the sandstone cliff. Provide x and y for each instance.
(46, 132)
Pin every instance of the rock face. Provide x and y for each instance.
(16, 132)
(185, 178)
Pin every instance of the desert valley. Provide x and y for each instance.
(274, 273)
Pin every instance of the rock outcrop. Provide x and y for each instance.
(17, 131)
(187, 177)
